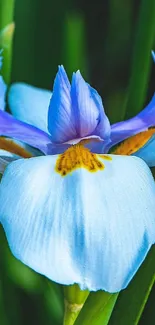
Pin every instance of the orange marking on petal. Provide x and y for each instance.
(11, 146)
(77, 156)
(106, 157)
(134, 143)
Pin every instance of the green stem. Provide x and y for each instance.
(74, 301)
(71, 312)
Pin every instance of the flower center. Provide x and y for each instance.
(133, 144)
(77, 156)
(11, 146)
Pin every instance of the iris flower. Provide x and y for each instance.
(77, 213)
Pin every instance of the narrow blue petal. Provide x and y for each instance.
(3, 89)
(93, 229)
(89, 116)
(103, 128)
(147, 152)
(30, 104)
(60, 121)
(10, 127)
(141, 122)
(153, 55)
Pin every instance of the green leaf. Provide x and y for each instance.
(141, 63)
(74, 44)
(97, 309)
(6, 37)
(6, 12)
(131, 302)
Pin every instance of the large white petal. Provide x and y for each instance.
(94, 229)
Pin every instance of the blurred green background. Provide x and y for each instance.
(110, 42)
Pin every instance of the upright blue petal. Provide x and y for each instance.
(89, 116)
(10, 127)
(93, 229)
(3, 89)
(60, 120)
(103, 128)
(153, 55)
(30, 104)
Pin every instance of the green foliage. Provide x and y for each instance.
(131, 302)
(97, 309)
(141, 63)
(6, 36)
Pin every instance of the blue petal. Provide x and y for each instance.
(153, 55)
(30, 104)
(93, 229)
(3, 89)
(10, 127)
(60, 121)
(103, 128)
(89, 116)
(147, 152)
(141, 122)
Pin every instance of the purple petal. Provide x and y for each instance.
(89, 116)
(21, 131)
(60, 121)
(141, 122)
(103, 129)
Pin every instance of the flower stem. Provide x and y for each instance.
(71, 312)
(74, 301)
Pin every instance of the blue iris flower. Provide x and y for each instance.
(76, 213)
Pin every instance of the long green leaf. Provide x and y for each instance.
(140, 71)
(74, 44)
(97, 309)
(131, 301)
(6, 12)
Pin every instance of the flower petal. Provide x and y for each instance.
(10, 127)
(93, 229)
(30, 104)
(3, 89)
(60, 122)
(147, 152)
(141, 145)
(141, 122)
(89, 116)
(5, 158)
